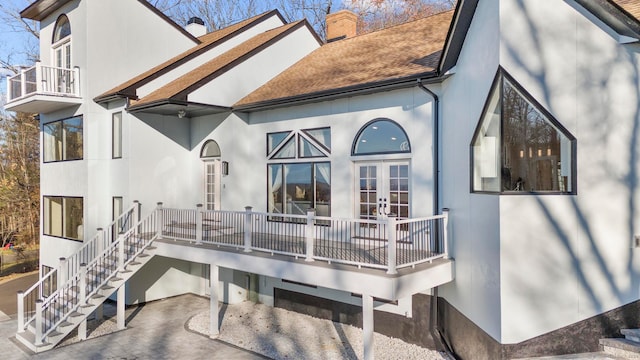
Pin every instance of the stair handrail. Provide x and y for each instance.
(76, 278)
(70, 263)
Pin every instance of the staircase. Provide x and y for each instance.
(624, 348)
(84, 282)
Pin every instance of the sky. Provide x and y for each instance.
(12, 41)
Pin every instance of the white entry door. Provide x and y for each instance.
(212, 178)
(383, 189)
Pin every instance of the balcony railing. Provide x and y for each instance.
(44, 80)
(388, 244)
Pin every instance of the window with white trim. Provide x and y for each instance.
(299, 172)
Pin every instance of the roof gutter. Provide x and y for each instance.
(325, 95)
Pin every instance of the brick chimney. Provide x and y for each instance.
(341, 25)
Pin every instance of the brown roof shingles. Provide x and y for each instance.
(630, 6)
(207, 41)
(181, 87)
(401, 51)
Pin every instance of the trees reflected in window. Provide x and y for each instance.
(518, 146)
(63, 217)
(62, 140)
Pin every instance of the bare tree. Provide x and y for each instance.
(378, 14)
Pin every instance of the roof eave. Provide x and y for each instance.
(148, 107)
(39, 10)
(457, 33)
(332, 94)
(613, 16)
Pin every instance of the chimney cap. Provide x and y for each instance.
(195, 20)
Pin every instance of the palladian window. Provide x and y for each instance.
(299, 172)
(519, 147)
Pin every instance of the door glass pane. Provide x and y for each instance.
(211, 184)
(368, 192)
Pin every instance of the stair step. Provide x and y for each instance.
(75, 314)
(631, 334)
(65, 324)
(621, 347)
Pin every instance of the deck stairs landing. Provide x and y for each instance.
(55, 316)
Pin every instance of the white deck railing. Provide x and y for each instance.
(44, 80)
(388, 244)
(70, 267)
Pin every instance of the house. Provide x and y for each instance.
(468, 180)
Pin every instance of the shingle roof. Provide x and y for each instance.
(181, 87)
(207, 41)
(630, 6)
(397, 52)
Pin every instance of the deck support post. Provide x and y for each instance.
(214, 319)
(367, 326)
(247, 229)
(62, 274)
(120, 307)
(23, 80)
(391, 246)
(159, 224)
(309, 241)
(39, 80)
(82, 287)
(76, 81)
(199, 224)
(445, 233)
(38, 340)
(20, 311)
(121, 252)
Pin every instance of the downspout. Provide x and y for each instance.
(438, 338)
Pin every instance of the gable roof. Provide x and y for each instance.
(399, 53)
(632, 7)
(207, 41)
(177, 91)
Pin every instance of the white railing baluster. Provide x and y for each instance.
(76, 81)
(391, 246)
(309, 233)
(121, 251)
(39, 87)
(247, 229)
(62, 273)
(445, 232)
(82, 286)
(23, 83)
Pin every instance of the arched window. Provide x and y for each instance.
(381, 136)
(62, 30)
(210, 149)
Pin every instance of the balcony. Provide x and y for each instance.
(388, 258)
(43, 89)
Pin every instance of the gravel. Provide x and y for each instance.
(282, 334)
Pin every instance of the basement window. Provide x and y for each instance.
(519, 147)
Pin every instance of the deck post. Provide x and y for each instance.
(136, 216)
(121, 251)
(391, 246)
(82, 287)
(100, 241)
(23, 81)
(39, 80)
(159, 224)
(20, 311)
(367, 326)
(214, 318)
(247, 229)
(38, 340)
(445, 232)
(120, 307)
(62, 273)
(9, 93)
(309, 241)
(76, 81)
(199, 215)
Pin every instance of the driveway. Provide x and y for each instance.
(155, 330)
(9, 289)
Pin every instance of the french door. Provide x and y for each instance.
(62, 55)
(212, 170)
(383, 189)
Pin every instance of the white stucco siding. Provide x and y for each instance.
(123, 39)
(270, 23)
(567, 258)
(474, 237)
(255, 71)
